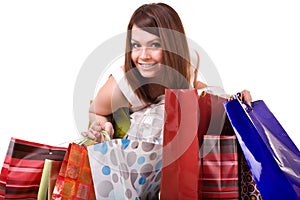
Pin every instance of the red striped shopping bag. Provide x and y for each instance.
(219, 172)
(23, 166)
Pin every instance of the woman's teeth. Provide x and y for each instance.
(147, 65)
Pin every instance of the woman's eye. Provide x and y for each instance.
(155, 45)
(135, 46)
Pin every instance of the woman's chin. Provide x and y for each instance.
(148, 75)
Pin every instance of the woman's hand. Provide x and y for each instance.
(199, 85)
(96, 128)
(246, 97)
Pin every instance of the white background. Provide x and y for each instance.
(43, 44)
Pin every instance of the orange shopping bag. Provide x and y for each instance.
(74, 180)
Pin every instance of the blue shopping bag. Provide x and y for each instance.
(273, 158)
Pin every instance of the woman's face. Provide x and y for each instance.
(146, 52)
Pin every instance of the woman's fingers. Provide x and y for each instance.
(108, 127)
(96, 128)
(246, 97)
(88, 134)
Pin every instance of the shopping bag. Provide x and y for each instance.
(179, 179)
(190, 116)
(147, 123)
(272, 157)
(125, 169)
(49, 175)
(214, 123)
(121, 122)
(23, 165)
(74, 180)
(213, 118)
(219, 171)
(248, 185)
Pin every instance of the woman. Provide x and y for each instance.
(157, 57)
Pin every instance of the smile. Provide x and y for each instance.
(147, 65)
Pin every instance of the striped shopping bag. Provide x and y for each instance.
(23, 166)
(219, 167)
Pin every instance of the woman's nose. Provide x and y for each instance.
(145, 53)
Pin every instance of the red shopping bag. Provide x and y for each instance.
(179, 179)
(74, 180)
(23, 165)
(213, 118)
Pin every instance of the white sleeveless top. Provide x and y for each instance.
(146, 121)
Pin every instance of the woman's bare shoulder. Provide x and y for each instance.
(109, 98)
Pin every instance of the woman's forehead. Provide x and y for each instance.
(138, 34)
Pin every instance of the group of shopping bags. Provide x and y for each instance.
(207, 166)
(121, 168)
(242, 151)
(213, 148)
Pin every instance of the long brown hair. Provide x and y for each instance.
(163, 21)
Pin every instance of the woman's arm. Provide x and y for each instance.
(108, 99)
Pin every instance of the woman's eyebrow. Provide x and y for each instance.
(150, 41)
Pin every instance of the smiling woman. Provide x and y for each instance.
(157, 57)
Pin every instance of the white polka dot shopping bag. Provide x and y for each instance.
(126, 169)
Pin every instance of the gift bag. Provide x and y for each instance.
(23, 165)
(219, 171)
(126, 169)
(180, 163)
(248, 185)
(147, 123)
(48, 180)
(74, 180)
(121, 122)
(272, 157)
(214, 127)
(189, 118)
